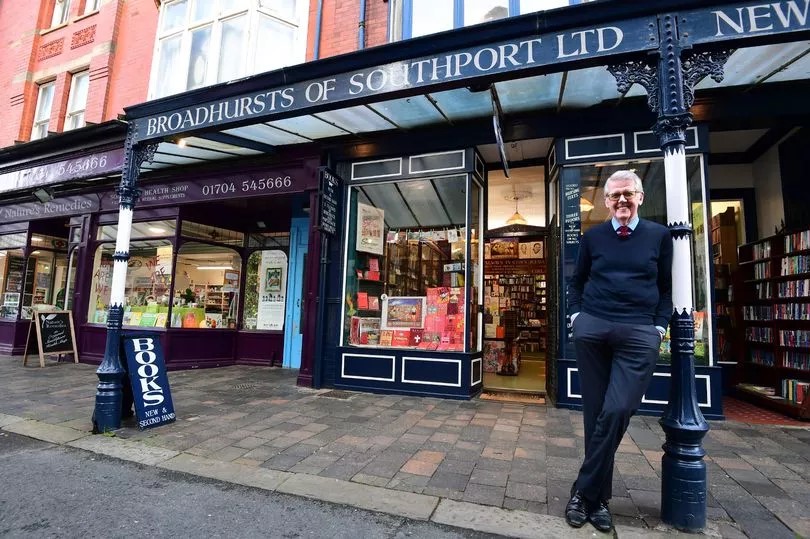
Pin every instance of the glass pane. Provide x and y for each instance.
(147, 285)
(44, 102)
(38, 289)
(281, 8)
(206, 287)
(592, 211)
(66, 301)
(212, 233)
(146, 229)
(232, 49)
(43, 241)
(431, 16)
(530, 6)
(198, 62)
(78, 92)
(174, 16)
(282, 53)
(169, 63)
(404, 285)
(203, 10)
(478, 11)
(12, 273)
(266, 290)
(12, 240)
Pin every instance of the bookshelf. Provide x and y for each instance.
(724, 257)
(774, 309)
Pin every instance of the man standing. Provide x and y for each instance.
(620, 297)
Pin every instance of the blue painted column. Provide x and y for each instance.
(670, 93)
(107, 412)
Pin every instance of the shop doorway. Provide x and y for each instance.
(516, 284)
(294, 322)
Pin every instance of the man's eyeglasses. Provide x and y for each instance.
(628, 195)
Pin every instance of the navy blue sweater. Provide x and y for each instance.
(624, 279)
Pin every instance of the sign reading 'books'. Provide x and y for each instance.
(147, 377)
(51, 333)
(329, 200)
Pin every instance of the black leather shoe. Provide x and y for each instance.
(600, 517)
(576, 512)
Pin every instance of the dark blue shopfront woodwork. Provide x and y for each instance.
(708, 385)
(410, 371)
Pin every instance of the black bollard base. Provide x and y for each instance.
(683, 494)
(107, 413)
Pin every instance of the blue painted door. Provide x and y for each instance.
(299, 237)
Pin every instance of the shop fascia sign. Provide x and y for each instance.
(58, 207)
(748, 20)
(514, 55)
(88, 166)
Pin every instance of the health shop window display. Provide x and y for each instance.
(149, 274)
(266, 281)
(406, 265)
(592, 211)
(206, 286)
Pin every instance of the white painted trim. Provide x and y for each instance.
(658, 149)
(393, 367)
(568, 375)
(705, 377)
(473, 381)
(622, 152)
(408, 358)
(463, 162)
(379, 175)
(727, 362)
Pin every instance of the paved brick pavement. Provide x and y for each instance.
(507, 455)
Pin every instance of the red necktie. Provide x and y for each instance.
(623, 231)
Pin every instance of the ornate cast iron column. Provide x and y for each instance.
(670, 93)
(107, 412)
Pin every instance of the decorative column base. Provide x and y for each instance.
(109, 394)
(683, 471)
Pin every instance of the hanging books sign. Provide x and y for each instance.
(272, 290)
(370, 229)
(329, 199)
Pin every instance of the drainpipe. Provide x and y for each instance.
(316, 52)
(361, 32)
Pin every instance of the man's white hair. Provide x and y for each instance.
(622, 175)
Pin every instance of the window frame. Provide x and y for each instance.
(38, 124)
(247, 59)
(64, 13)
(72, 113)
(91, 6)
(404, 12)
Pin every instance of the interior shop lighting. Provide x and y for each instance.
(36, 239)
(214, 267)
(585, 204)
(181, 142)
(157, 230)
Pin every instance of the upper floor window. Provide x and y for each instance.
(42, 116)
(423, 17)
(202, 42)
(91, 6)
(61, 11)
(77, 100)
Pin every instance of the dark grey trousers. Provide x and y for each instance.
(615, 362)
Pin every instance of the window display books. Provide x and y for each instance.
(403, 312)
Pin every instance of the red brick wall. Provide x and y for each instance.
(115, 44)
(340, 26)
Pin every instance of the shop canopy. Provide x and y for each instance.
(542, 65)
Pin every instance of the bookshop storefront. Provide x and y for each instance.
(400, 302)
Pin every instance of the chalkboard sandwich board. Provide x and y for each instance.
(51, 333)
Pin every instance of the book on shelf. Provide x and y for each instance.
(374, 303)
(362, 300)
(374, 264)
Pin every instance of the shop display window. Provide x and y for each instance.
(206, 293)
(147, 285)
(592, 211)
(406, 266)
(266, 289)
(145, 229)
(45, 280)
(12, 273)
